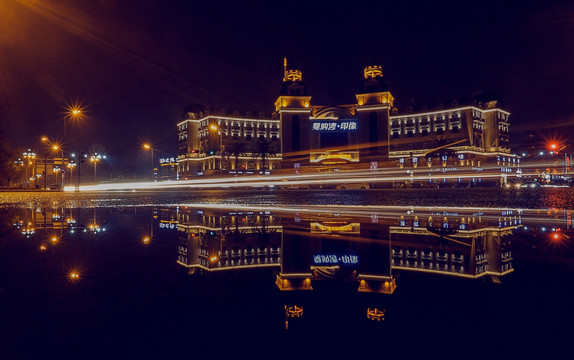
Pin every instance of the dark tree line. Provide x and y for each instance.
(8, 156)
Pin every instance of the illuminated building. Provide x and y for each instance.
(213, 143)
(167, 169)
(461, 135)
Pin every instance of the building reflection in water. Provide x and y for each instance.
(57, 220)
(217, 241)
(311, 249)
(306, 249)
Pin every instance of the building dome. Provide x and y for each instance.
(373, 81)
(293, 84)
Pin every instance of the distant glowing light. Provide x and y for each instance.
(75, 111)
(74, 275)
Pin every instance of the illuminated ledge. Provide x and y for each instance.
(296, 275)
(373, 107)
(377, 284)
(239, 267)
(229, 118)
(290, 282)
(279, 228)
(211, 157)
(500, 273)
(468, 276)
(295, 110)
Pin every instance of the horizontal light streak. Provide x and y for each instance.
(338, 177)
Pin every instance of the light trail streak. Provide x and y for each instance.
(232, 182)
(324, 178)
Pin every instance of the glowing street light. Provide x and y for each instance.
(214, 128)
(74, 275)
(95, 159)
(148, 146)
(74, 112)
(30, 158)
(57, 147)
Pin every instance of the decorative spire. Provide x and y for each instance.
(291, 75)
(373, 71)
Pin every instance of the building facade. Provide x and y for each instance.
(461, 135)
(211, 142)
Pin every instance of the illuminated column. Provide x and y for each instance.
(373, 110)
(293, 107)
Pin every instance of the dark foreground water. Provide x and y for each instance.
(172, 275)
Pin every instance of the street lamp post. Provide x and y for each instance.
(94, 159)
(214, 127)
(44, 139)
(29, 156)
(149, 147)
(62, 170)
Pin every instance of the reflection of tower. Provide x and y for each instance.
(335, 249)
(293, 108)
(292, 312)
(374, 102)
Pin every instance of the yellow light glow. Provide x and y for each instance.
(74, 275)
(373, 71)
(146, 146)
(54, 239)
(75, 111)
(146, 240)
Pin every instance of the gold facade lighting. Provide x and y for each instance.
(373, 71)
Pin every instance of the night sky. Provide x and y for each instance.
(136, 65)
